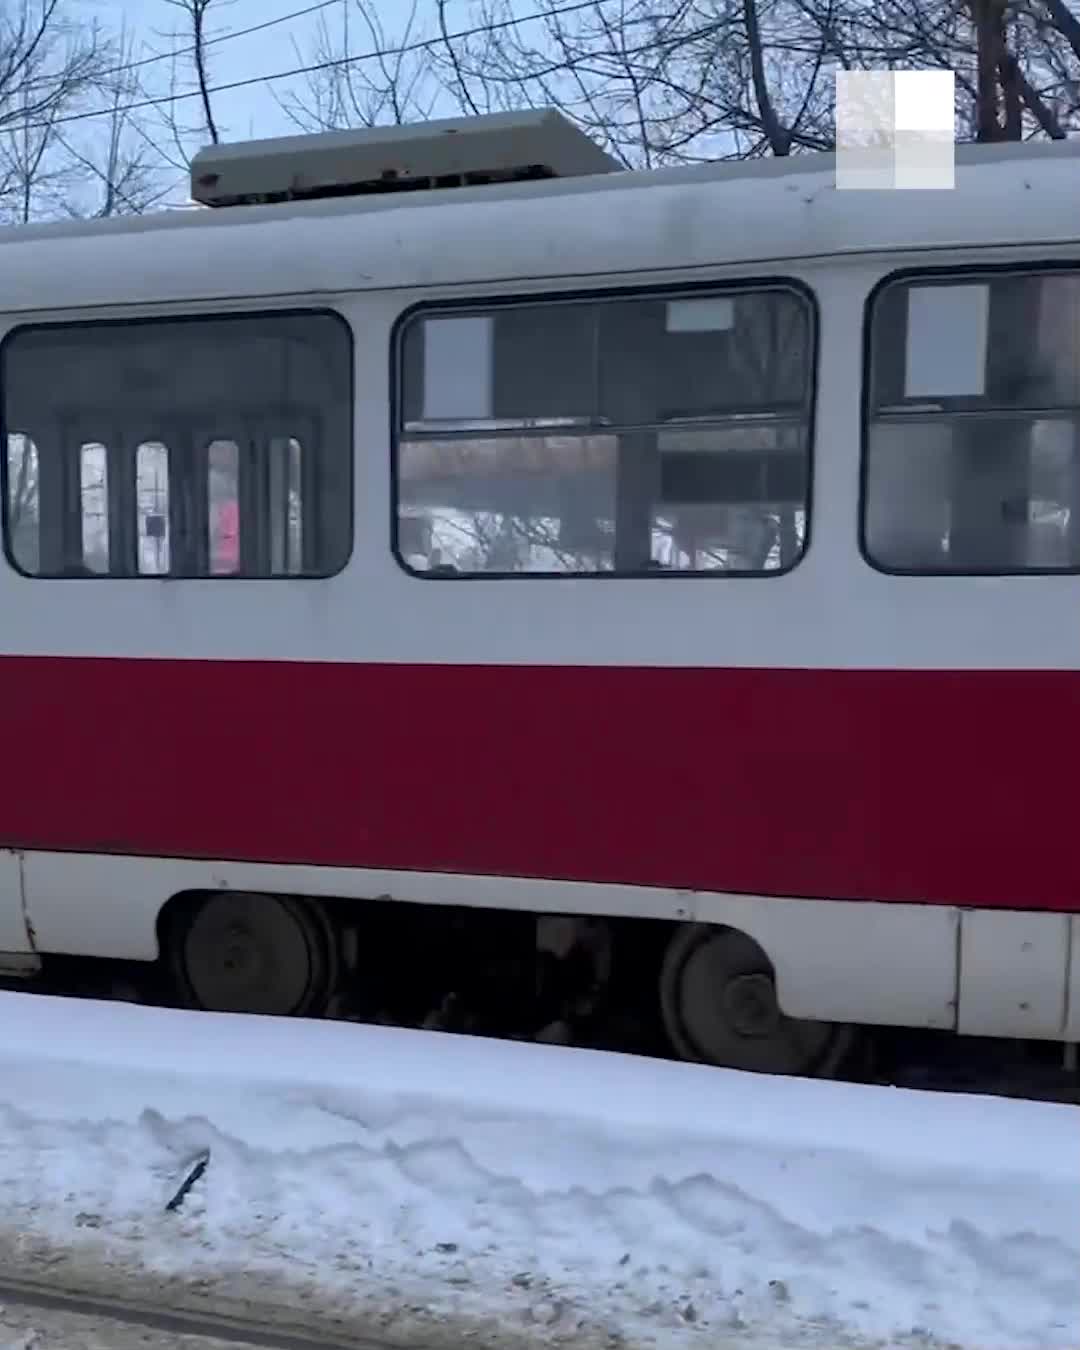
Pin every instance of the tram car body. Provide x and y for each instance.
(695, 550)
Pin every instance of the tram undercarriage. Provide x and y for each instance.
(688, 991)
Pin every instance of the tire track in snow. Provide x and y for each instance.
(174, 1322)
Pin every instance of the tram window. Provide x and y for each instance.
(200, 447)
(223, 491)
(152, 504)
(94, 504)
(22, 501)
(972, 452)
(287, 505)
(630, 435)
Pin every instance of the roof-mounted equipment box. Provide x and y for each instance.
(455, 152)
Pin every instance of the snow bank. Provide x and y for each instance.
(428, 1189)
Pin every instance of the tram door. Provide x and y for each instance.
(14, 934)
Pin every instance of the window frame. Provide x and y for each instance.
(489, 304)
(186, 317)
(958, 272)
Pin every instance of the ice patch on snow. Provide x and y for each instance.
(413, 1182)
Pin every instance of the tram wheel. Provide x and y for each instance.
(240, 952)
(719, 1006)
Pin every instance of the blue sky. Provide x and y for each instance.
(244, 113)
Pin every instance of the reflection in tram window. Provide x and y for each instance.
(152, 498)
(635, 436)
(973, 446)
(94, 496)
(23, 535)
(217, 446)
(286, 506)
(223, 492)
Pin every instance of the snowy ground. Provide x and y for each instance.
(434, 1191)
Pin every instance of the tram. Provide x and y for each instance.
(450, 565)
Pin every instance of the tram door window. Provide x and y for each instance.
(635, 435)
(255, 506)
(972, 456)
(152, 506)
(193, 448)
(23, 524)
(94, 505)
(285, 486)
(223, 506)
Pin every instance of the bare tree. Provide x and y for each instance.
(173, 132)
(690, 79)
(660, 81)
(639, 77)
(51, 71)
(996, 48)
(367, 76)
(195, 14)
(115, 167)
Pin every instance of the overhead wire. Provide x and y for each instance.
(174, 52)
(423, 44)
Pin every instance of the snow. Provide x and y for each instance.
(26, 1327)
(430, 1190)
